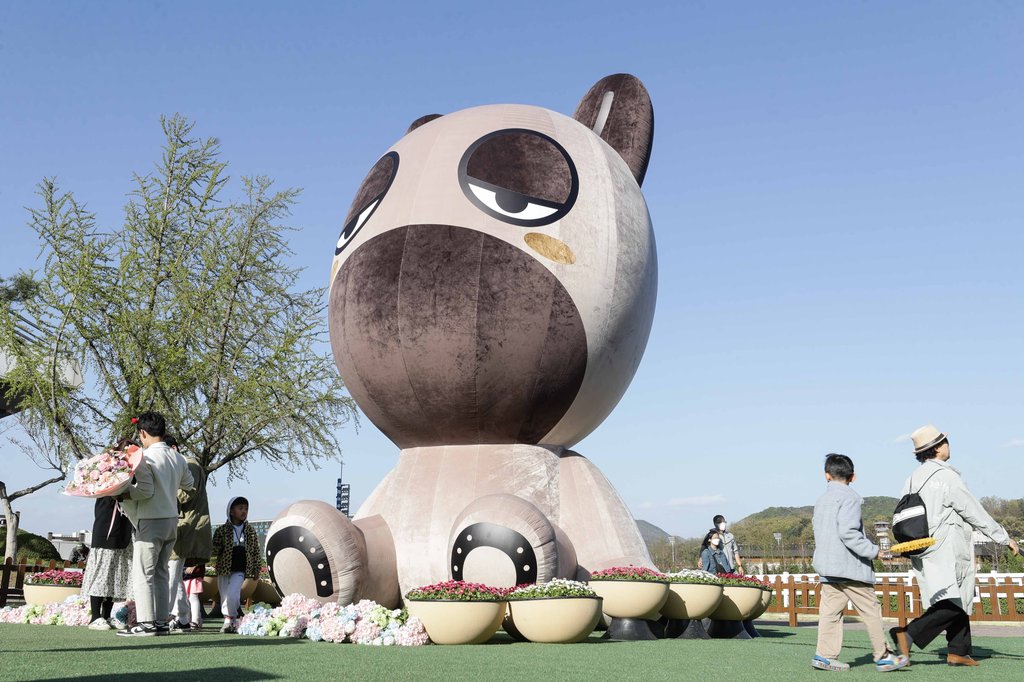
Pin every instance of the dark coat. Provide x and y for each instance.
(111, 529)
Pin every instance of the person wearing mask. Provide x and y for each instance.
(732, 552)
(712, 557)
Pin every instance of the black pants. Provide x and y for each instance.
(101, 607)
(943, 615)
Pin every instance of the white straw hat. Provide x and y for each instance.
(926, 437)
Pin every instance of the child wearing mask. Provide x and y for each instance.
(238, 557)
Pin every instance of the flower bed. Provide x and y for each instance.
(457, 590)
(56, 577)
(365, 622)
(636, 573)
(690, 576)
(737, 580)
(555, 588)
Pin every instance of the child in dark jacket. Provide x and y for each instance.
(238, 557)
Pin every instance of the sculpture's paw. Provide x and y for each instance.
(313, 549)
(503, 540)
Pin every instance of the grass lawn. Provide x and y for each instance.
(39, 652)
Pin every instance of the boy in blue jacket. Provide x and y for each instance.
(842, 558)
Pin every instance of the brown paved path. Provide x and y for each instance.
(978, 629)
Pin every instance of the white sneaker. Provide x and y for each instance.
(99, 624)
(115, 624)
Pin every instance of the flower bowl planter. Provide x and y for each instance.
(631, 598)
(458, 622)
(737, 603)
(766, 598)
(210, 590)
(554, 620)
(689, 601)
(248, 589)
(266, 593)
(49, 594)
(748, 624)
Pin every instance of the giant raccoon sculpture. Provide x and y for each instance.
(491, 296)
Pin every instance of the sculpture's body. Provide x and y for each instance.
(491, 297)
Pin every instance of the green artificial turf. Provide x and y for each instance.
(40, 652)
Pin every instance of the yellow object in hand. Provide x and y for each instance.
(912, 545)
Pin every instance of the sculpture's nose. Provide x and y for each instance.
(449, 336)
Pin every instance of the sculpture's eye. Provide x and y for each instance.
(519, 176)
(511, 204)
(368, 198)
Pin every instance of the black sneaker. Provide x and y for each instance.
(176, 628)
(161, 628)
(140, 630)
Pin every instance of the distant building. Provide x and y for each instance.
(66, 542)
(882, 529)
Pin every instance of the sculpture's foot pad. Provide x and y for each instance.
(748, 625)
(728, 629)
(685, 629)
(631, 629)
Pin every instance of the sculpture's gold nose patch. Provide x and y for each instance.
(550, 248)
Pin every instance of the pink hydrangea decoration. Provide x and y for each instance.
(412, 633)
(334, 630)
(365, 632)
(297, 605)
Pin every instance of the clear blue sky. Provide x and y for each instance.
(836, 190)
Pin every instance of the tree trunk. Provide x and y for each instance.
(11, 549)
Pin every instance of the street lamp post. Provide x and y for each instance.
(778, 541)
(672, 542)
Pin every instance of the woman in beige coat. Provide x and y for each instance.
(945, 571)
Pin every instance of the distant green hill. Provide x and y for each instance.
(795, 522)
(758, 530)
(30, 545)
(651, 533)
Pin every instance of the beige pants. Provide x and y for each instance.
(830, 622)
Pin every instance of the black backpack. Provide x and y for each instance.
(910, 518)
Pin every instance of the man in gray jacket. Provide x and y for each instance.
(945, 571)
(842, 558)
(151, 504)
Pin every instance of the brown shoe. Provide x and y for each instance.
(953, 659)
(902, 640)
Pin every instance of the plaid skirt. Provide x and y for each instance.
(108, 573)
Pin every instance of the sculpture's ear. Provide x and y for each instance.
(421, 121)
(619, 110)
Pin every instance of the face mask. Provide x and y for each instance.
(722, 526)
(714, 543)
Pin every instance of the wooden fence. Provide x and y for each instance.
(998, 597)
(12, 575)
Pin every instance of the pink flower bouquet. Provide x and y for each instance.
(106, 474)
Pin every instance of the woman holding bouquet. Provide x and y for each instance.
(108, 572)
